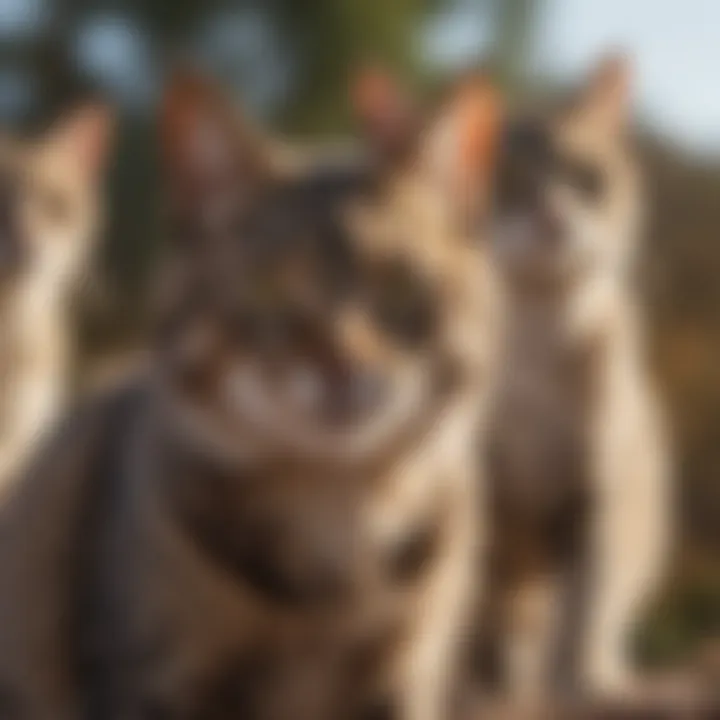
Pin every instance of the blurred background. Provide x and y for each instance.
(290, 61)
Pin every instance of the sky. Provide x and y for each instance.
(675, 45)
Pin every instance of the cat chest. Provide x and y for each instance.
(274, 596)
(301, 546)
(539, 439)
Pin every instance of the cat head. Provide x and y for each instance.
(49, 198)
(567, 201)
(315, 305)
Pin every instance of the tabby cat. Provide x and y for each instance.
(277, 520)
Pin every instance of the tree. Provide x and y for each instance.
(325, 40)
(516, 23)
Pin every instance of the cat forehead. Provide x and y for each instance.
(539, 142)
(302, 212)
(537, 139)
(345, 209)
(527, 136)
(323, 188)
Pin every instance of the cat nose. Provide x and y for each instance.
(354, 395)
(550, 224)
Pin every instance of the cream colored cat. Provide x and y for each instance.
(578, 453)
(49, 213)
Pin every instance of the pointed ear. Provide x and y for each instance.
(384, 111)
(462, 143)
(606, 98)
(82, 138)
(206, 148)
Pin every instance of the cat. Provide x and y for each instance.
(577, 448)
(278, 518)
(50, 211)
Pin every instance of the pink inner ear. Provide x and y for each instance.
(380, 106)
(85, 137)
(373, 95)
(200, 133)
(205, 149)
(473, 120)
(479, 125)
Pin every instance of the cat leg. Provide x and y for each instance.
(531, 629)
(429, 661)
(629, 534)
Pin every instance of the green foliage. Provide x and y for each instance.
(683, 620)
(516, 22)
(326, 40)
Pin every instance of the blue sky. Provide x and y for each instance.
(675, 44)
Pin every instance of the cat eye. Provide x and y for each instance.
(403, 305)
(527, 158)
(516, 186)
(587, 178)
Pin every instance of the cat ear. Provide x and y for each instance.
(208, 153)
(461, 144)
(606, 99)
(82, 139)
(384, 111)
